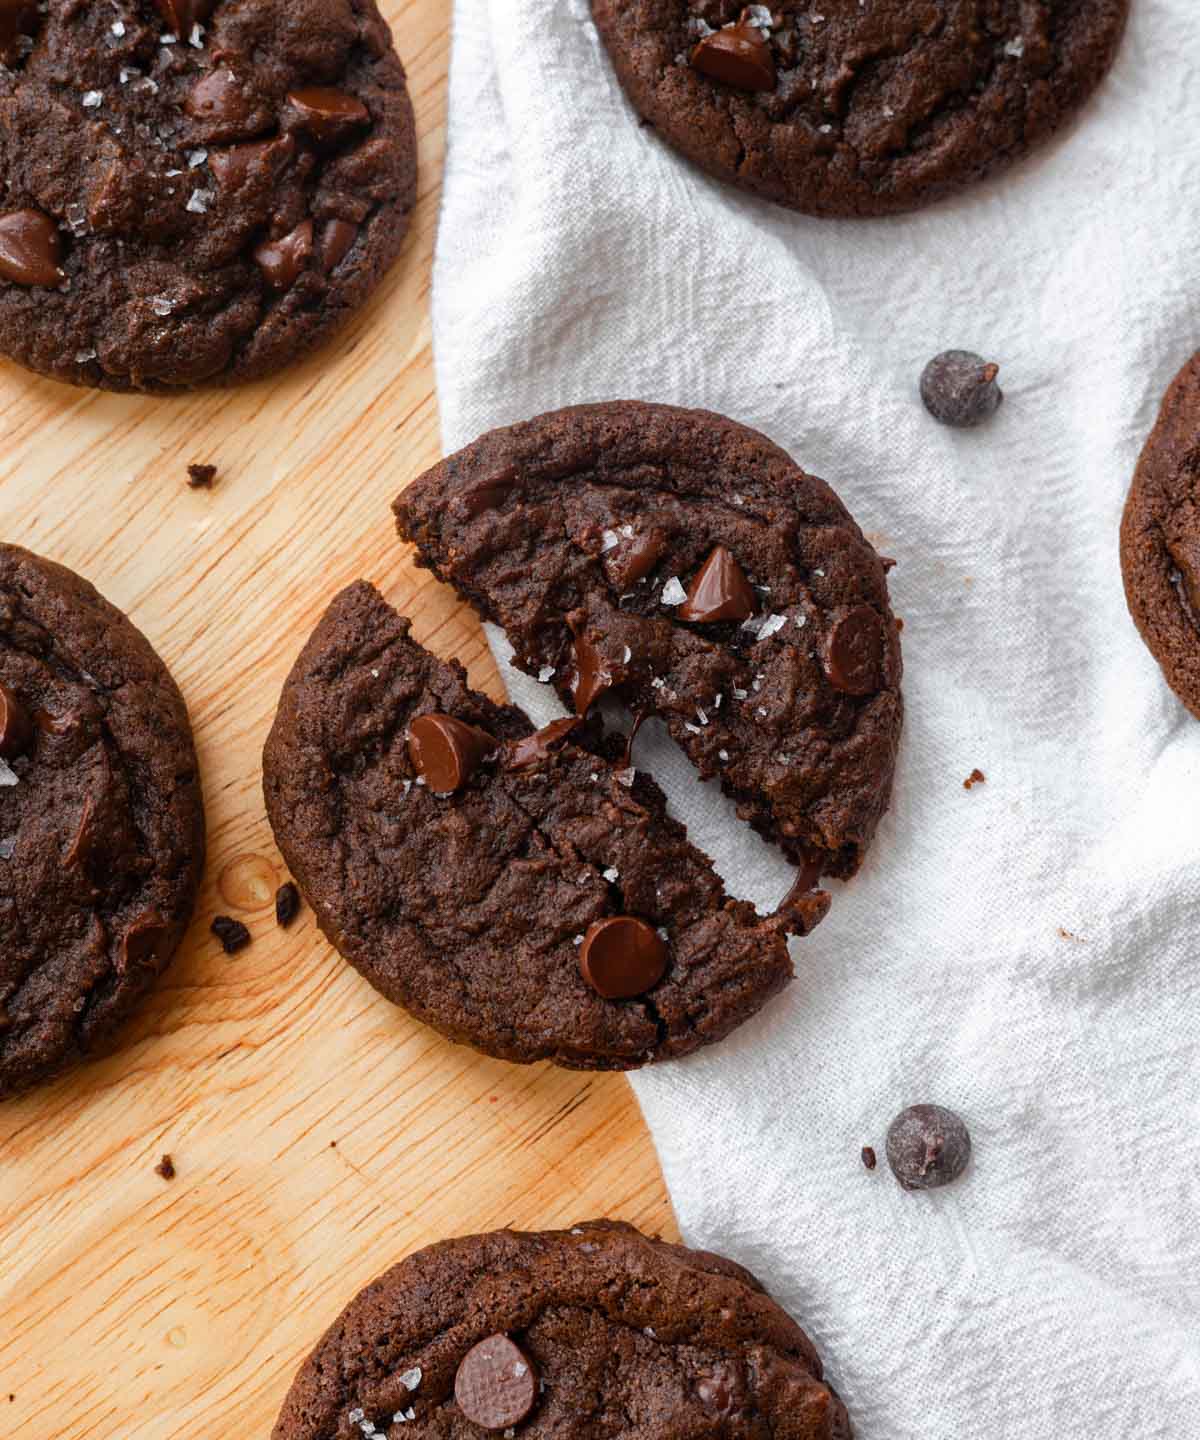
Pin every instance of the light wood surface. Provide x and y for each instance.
(318, 1133)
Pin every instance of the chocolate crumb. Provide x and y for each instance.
(165, 1168)
(287, 903)
(976, 777)
(232, 934)
(868, 1157)
(201, 477)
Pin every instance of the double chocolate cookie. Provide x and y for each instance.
(581, 1335)
(522, 892)
(686, 565)
(101, 826)
(194, 190)
(1160, 538)
(858, 107)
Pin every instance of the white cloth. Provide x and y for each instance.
(1025, 952)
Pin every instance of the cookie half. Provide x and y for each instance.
(686, 565)
(594, 1332)
(850, 108)
(525, 893)
(1160, 538)
(194, 190)
(101, 823)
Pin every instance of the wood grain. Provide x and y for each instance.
(317, 1132)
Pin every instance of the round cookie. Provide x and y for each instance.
(194, 191)
(1160, 538)
(101, 825)
(850, 108)
(688, 566)
(522, 892)
(620, 1335)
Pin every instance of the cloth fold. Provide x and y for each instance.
(1022, 951)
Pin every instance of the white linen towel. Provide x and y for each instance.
(1025, 952)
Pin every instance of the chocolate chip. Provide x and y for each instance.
(18, 18)
(534, 748)
(143, 943)
(326, 114)
(227, 107)
(445, 752)
(622, 956)
(868, 1157)
(854, 651)
(719, 1390)
(487, 493)
(804, 906)
(976, 777)
(719, 591)
(282, 260)
(182, 15)
(30, 249)
(633, 558)
(232, 934)
(287, 904)
(927, 1146)
(16, 728)
(959, 388)
(201, 477)
(495, 1385)
(592, 676)
(737, 56)
(234, 165)
(337, 237)
(165, 1168)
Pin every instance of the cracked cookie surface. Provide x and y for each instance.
(1160, 538)
(858, 107)
(198, 207)
(101, 824)
(686, 565)
(474, 908)
(626, 1335)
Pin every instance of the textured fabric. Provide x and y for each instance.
(1022, 952)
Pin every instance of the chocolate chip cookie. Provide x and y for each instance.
(858, 107)
(101, 826)
(589, 1333)
(686, 565)
(522, 892)
(1160, 538)
(194, 190)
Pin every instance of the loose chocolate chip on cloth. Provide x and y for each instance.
(687, 566)
(101, 825)
(1160, 538)
(194, 191)
(522, 892)
(581, 1335)
(846, 108)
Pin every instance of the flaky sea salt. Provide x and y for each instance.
(609, 540)
(198, 204)
(739, 694)
(8, 776)
(196, 158)
(622, 777)
(658, 683)
(196, 38)
(801, 621)
(626, 655)
(612, 874)
(7, 847)
(161, 305)
(92, 98)
(1015, 48)
(546, 673)
(722, 754)
(118, 28)
(771, 625)
(673, 592)
(692, 729)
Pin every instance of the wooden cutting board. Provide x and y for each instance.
(318, 1134)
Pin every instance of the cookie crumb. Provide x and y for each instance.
(868, 1157)
(201, 477)
(165, 1168)
(976, 777)
(287, 903)
(232, 934)
(1069, 935)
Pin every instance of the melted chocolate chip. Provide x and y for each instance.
(927, 1146)
(327, 114)
(804, 906)
(30, 249)
(16, 727)
(737, 56)
(592, 676)
(282, 260)
(633, 558)
(144, 943)
(495, 1385)
(488, 493)
(181, 15)
(854, 652)
(227, 107)
(337, 238)
(534, 748)
(622, 957)
(719, 591)
(445, 752)
(236, 164)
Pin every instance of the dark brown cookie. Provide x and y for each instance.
(101, 825)
(855, 108)
(1160, 538)
(486, 907)
(687, 565)
(589, 1334)
(197, 206)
